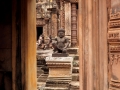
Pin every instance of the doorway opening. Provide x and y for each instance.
(39, 31)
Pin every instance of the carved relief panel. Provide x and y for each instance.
(114, 50)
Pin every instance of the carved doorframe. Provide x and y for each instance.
(114, 45)
(93, 44)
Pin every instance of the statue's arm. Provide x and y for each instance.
(67, 43)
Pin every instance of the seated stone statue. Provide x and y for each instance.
(60, 43)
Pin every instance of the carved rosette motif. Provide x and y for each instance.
(114, 51)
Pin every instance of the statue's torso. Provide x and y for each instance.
(61, 42)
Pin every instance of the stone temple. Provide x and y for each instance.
(29, 61)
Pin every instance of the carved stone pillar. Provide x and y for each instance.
(62, 14)
(49, 27)
(45, 31)
(93, 44)
(68, 20)
(54, 25)
(73, 24)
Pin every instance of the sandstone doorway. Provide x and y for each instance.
(39, 31)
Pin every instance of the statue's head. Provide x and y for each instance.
(61, 33)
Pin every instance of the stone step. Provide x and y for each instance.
(74, 85)
(40, 85)
(40, 72)
(42, 78)
(72, 50)
(75, 77)
(76, 63)
(75, 56)
(75, 70)
(55, 88)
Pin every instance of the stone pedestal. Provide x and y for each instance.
(60, 55)
(60, 72)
